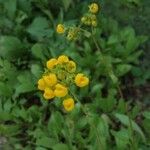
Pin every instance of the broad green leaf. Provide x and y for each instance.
(125, 120)
(86, 33)
(146, 114)
(66, 4)
(113, 39)
(10, 47)
(38, 51)
(82, 122)
(107, 104)
(55, 123)
(25, 83)
(60, 146)
(121, 108)
(5, 89)
(10, 6)
(40, 28)
(25, 6)
(122, 138)
(99, 131)
(5, 116)
(40, 148)
(36, 70)
(122, 69)
(46, 142)
(135, 111)
(9, 129)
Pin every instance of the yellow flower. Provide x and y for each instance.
(68, 104)
(62, 59)
(48, 94)
(81, 80)
(94, 23)
(71, 66)
(51, 63)
(41, 84)
(93, 8)
(50, 79)
(60, 90)
(60, 28)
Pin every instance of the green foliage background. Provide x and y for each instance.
(28, 39)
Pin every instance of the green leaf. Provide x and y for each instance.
(38, 51)
(66, 4)
(121, 138)
(146, 114)
(113, 39)
(9, 129)
(60, 146)
(5, 116)
(125, 120)
(10, 6)
(107, 104)
(99, 131)
(46, 142)
(86, 33)
(113, 77)
(40, 148)
(10, 47)
(36, 70)
(5, 90)
(55, 123)
(40, 28)
(122, 69)
(25, 83)
(121, 108)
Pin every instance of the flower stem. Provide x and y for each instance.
(92, 124)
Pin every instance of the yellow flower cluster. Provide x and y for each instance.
(60, 74)
(90, 18)
(73, 33)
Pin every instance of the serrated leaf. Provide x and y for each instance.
(25, 83)
(39, 28)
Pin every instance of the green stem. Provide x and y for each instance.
(95, 42)
(120, 91)
(87, 116)
(131, 130)
(98, 47)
